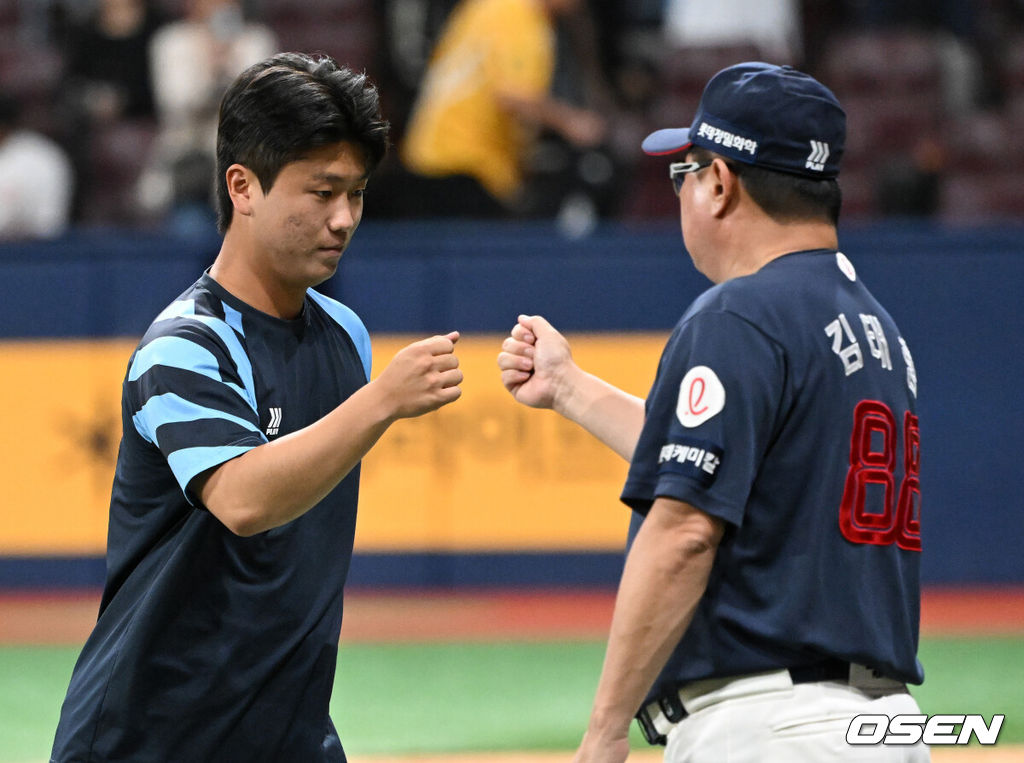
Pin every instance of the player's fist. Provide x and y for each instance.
(422, 377)
(535, 361)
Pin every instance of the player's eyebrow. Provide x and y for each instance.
(332, 177)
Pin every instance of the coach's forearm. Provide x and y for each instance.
(665, 576)
(275, 483)
(612, 415)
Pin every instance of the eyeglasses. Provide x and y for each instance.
(678, 171)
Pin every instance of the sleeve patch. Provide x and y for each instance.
(701, 397)
(697, 459)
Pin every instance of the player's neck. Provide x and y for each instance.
(238, 271)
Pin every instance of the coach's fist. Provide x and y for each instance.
(536, 363)
(421, 377)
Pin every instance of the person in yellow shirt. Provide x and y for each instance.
(484, 96)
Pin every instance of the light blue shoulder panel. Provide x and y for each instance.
(349, 321)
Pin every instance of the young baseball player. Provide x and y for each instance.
(770, 592)
(246, 411)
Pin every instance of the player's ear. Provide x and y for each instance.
(242, 188)
(725, 187)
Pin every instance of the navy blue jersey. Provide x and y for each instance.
(210, 646)
(784, 404)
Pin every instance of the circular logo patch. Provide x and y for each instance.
(701, 396)
(846, 266)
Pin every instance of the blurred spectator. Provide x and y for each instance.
(107, 80)
(773, 26)
(409, 30)
(485, 97)
(193, 60)
(107, 61)
(911, 185)
(36, 179)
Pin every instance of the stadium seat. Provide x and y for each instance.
(989, 141)
(685, 70)
(859, 186)
(117, 153)
(882, 62)
(976, 197)
(28, 69)
(343, 29)
(353, 43)
(879, 127)
(1011, 64)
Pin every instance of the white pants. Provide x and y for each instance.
(768, 719)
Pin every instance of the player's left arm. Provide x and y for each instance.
(665, 576)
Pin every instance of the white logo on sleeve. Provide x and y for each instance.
(701, 397)
(275, 421)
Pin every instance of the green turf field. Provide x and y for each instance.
(400, 698)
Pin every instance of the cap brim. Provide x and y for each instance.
(667, 141)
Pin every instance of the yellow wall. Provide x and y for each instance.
(482, 474)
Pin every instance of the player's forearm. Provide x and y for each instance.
(275, 483)
(610, 414)
(665, 576)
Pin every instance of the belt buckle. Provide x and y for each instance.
(670, 706)
(647, 728)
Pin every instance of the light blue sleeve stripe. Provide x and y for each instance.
(348, 320)
(178, 352)
(170, 408)
(237, 352)
(188, 462)
(177, 309)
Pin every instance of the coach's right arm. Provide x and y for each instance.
(538, 370)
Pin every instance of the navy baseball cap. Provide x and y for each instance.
(770, 116)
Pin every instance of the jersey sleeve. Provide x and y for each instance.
(709, 417)
(192, 395)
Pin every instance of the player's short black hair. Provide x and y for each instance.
(280, 109)
(783, 196)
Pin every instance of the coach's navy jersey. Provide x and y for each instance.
(784, 404)
(210, 646)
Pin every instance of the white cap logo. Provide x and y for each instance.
(701, 397)
(818, 156)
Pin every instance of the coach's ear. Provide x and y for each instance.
(725, 187)
(242, 188)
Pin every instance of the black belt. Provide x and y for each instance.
(827, 670)
(672, 707)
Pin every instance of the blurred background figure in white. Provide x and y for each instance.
(36, 179)
(772, 26)
(192, 61)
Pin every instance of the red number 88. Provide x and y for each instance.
(899, 522)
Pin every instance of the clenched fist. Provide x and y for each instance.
(422, 377)
(534, 361)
